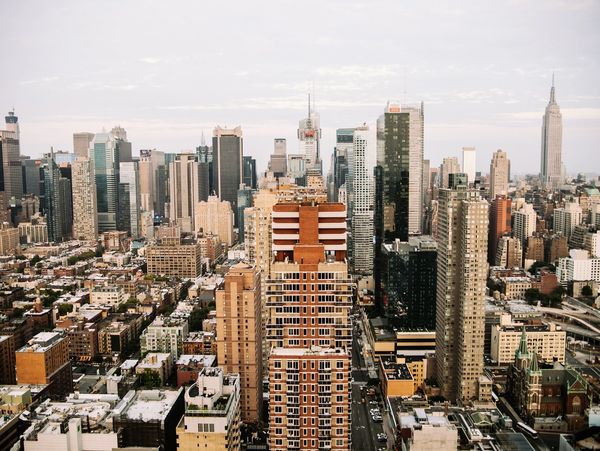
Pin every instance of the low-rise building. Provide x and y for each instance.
(189, 365)
(201, 342)
(149, 418)
(212, 413)
(160, 363)
(107, 295)
(548, 340)
(45, 360)
(175, 259)
(165, 334)
(7, 359)
(422, 431)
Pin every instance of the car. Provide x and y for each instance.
(382, 437)
(377, 418)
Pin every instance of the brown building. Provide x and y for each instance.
(45, 360)
(239, 338)
(7, 360)
(175, 260)
(555, 247)
(83, 341)
(115, 241)
(309, 297)
(535, 249)
(200, 343)
(21, 329)
(500, 217)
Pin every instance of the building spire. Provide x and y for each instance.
(552, 93)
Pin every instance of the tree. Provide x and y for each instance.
(587, 291)
(150, 379)
(34, 260)
(63, 309)
(196, 318)
(17, 313)
(532, 295)
(539, 265)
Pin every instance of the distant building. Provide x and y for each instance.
(174, 260)
(183, 190)
(566, 218)
(499, 174)
(500, 224)
(227, 165)
(524, 222)
(551, 158)
(215, 217)
(81, 144)
(469, 165)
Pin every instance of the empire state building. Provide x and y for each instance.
(551, 164)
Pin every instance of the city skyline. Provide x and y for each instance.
(166, 98)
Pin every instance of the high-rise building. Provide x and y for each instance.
(228, 151)
(535, 249)
(175, 259)
(81, 144)
(551, 160)
(183, 190)
(309, 297)
(130, 198)
(239, 337)
(57, 200)
(500, 224)
(524, 224)
(249, 177)
(342, 153)
(124, 146)
(362, 205)
(566, 218)
(449, 166)
(309, 139)
(104, 153)
(245, 199)
(215, 216)
(147, 179)
(400, 154)
(499, 174)
(85, 219)
(31, 176)
(296, 164)
(45, 360)
(461, 283)
(278, 161)
(509, 252)
(409, 278)
(11, 158)
(165, 334)
(469, 163)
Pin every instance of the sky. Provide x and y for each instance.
(169, 71)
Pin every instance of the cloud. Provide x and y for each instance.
(150, 60)
(38, 81)
(362, 72)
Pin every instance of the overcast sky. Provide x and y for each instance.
(168, 70)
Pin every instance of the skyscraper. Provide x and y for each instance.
(499, 174)
(524, 223)
(500, 224)
(278, 161)
(11, 158)
(147, 180)
(344, 138)
(309, 139)
(551, 161)
(57, 199)
(104, 152)
(215, 216)
(469, 163)
(81, 144)
(245, 200)
(31, 176)
(461, 282)
(249, 177)
(362, 205)
(131, 204)
(449, 166)
(183, 190)
(85, 220)
(239, 338)
(566, 218)
(228, 151)
(400, 154)
(309, 297)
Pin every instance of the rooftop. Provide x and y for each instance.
(147, 405)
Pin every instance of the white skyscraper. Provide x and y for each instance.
(469, 163)
(183, 190)
(566, 218)
(551, 164)
(362, 205)
(309, 136)
(524, 222)
(499, 174)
